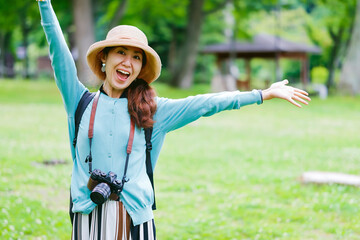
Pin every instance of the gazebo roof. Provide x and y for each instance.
(263, 45)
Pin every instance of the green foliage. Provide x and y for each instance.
(261, 70)
(164, 22)
(291, 70)
(319, 75)
(290, 25)
(213, 29)
(323, 28)
(311, 22)
(230, 176)
(157, 17)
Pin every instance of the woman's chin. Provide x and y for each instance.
(122, 84)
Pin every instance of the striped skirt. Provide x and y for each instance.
(110, 221)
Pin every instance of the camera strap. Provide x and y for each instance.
(128, 150)
(91, 129)
(91, 135)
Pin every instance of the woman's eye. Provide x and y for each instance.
(121, 52)
(137, 57)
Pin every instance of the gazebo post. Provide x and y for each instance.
(248, 73)
(277, 66)
(304, 70)
(218, 62)
(222, 80)
(218, 80)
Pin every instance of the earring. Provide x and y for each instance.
(103, 67)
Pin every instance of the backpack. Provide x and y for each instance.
(83, 103)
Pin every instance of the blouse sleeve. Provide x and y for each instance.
(61, 59)
(172, 114)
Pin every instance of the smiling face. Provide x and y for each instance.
(123, 65)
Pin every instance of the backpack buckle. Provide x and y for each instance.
(148, 146)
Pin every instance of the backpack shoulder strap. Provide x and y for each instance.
(149, 170)
(83, 103)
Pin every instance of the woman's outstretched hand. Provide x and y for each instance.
(291, 94)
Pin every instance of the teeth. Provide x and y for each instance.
(123, 72)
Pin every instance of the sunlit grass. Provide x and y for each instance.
(231, 176)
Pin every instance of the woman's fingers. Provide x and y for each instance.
(302, 96)
(300, 100)
(301, 91)
(293, 102)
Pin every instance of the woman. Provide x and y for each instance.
(126, 65)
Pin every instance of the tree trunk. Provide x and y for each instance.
(25, 42)
(330, 178)
(119, 13)
(172, 51)
(8, 56)
(2, 55)
(184, 70)
(84, 37)
(350, 72)
(336, 37)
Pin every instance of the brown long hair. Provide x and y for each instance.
(141, 103)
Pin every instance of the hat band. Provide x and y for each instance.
(138, 41)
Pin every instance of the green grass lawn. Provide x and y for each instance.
(234, 175)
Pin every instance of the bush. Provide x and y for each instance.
(319, 75)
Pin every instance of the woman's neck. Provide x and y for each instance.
(111, 92)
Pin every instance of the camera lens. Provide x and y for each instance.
(100, 193)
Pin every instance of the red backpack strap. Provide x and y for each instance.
(91, 128)
(92, 116)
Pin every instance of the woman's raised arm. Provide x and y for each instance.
(61, 59)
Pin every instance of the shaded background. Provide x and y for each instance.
(179, 30)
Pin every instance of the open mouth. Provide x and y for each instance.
(123, 75)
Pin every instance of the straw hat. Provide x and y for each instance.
(125, 35)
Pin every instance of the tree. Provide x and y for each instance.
(350, 72)
(338, 29)
(29, 20)
(108, 14)
(84, 37)
(184, 71)
(119, 13)
(5, 34)
(7, 26)
(6, 68)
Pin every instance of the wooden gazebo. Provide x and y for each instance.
(264, 46)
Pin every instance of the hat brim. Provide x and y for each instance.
(149, 72)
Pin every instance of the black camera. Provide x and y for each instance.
(104, 186)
